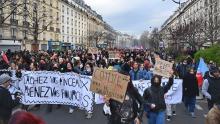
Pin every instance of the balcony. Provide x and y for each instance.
(14, 22)
(26, 24)
(51, 28)
(57, 30)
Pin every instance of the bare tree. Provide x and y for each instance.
(9, 8)
(155, 38)
(39, 20)
(95, 36)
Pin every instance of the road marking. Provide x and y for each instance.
(199, 107)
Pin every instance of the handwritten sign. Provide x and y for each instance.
(43, 87)
(93, 50)
(162, 68)
(114, 55)
(110, 83)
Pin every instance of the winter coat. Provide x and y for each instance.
(190, 85)
(136, 75)
(6, 103)
(155, 95)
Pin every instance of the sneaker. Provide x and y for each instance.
(71, 111)
(89, 116)
(193, 115)
(174, 113)
(168, 118)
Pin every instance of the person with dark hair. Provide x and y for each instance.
(22, 117)
(154, 100)
(136, 73)
(213, 92)
(211, 86)
(128, 112)
(190, 91)
(6, 101)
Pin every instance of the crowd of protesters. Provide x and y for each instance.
(135, 63)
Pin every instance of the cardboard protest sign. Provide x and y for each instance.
(110, 83)
(93, 50)
(163, 68)
(114, 55)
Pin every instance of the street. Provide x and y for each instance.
(61, 116)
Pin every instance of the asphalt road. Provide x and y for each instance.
(61, 116)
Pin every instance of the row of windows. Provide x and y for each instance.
(71, 39)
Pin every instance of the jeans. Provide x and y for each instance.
(190, 103)
(170, 109)
(156, 117)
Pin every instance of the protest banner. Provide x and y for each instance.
(174, 95)
(44, 87)
(93, 50)
(163, 68)
(110, 83)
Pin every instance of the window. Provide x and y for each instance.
(57, 16)
(51, 3)
(75, 32)
(63, 19)
(79, 32)
(63, 29)
(13, 33)
(71, 12)
(67, 30)
(63, 8)
(75, 23)
(72, 31)
(63, 38)
(76, 15)
(67, 11)
(67, 20)
(72, 22)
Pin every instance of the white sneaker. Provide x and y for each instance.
(71, 111)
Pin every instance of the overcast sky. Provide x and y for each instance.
(133, 16)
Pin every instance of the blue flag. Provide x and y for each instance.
(203, 68)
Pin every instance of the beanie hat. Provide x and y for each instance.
(4, 78)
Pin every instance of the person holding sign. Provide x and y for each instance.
(154, 99)
(128, 112)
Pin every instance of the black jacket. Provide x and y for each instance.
(6, 103)
(214, 89)
(138, 105)
(190, 85)
(155, 95)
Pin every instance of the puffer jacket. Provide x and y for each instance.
(155, 95)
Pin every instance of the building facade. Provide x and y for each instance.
(48, 25)
(194, 24)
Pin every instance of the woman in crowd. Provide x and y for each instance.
(154, 100)
(190, 91)
(88, 70)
